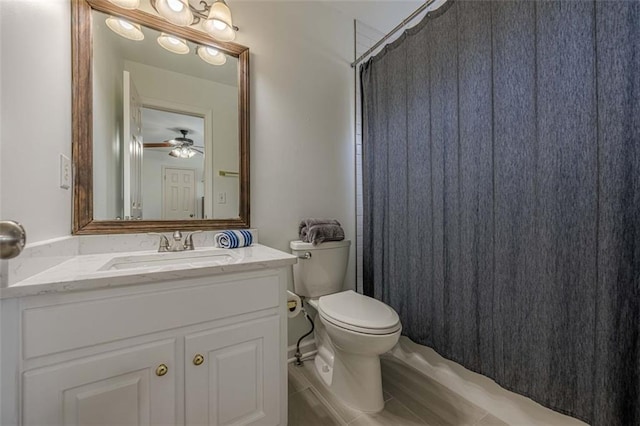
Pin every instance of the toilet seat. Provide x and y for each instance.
(358, 313)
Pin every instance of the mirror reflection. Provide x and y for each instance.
(165, 126)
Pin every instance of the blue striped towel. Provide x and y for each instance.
(233, 239)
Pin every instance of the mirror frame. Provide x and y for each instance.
(82, 123)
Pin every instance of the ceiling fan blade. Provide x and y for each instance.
(164, 144)
(197, 150)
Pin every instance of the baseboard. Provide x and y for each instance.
(307, 349)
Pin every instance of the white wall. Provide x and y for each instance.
(366, 37)
(302, 151)
(36, 115)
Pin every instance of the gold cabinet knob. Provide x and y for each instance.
(162, 370)
(198, 359)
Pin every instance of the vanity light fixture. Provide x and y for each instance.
(211, 55)
(219, 24)
(126, 4)
(177, 12)
(173, 44)
(125, 28)
(216, 17)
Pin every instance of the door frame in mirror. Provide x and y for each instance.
(82, 123)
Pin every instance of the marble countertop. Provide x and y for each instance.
(94, 271)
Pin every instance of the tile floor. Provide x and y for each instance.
(411, 399)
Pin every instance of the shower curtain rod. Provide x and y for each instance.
(417, 12)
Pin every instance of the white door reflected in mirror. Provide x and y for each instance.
(179, 200)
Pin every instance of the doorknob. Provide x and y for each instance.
(13, 237)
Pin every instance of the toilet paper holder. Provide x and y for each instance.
(294, 304)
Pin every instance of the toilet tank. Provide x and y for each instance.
(323, 272)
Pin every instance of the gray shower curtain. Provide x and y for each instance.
(501, 145)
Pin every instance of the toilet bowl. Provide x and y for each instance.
(352, 330)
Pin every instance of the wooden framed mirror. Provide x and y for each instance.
(186, 116)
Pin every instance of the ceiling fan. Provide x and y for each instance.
(182, 146)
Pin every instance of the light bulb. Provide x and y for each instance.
(175, 5)
(219, 24)
(175, 11)
(210, 55)
(125, 28)
(125, 24)
(173, 44)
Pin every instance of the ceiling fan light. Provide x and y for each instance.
(125, 28)
(211, 55)
(173, 44)
(126, 4)
(182, 152)
(175, 11)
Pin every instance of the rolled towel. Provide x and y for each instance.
(305, 224)
(233, 239)
(317, 234)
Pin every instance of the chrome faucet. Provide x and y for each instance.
(164, 242)
(188, 240)
(177, 244)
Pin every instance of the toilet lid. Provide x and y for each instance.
(356, 312)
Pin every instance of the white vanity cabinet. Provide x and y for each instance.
(231, 373)
(198, 351)
(114, 388)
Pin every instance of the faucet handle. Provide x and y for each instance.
(177, 235)
(164, 241)
(188, 240)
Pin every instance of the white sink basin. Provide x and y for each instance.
(195, 258)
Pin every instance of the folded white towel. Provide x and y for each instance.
(233, 239)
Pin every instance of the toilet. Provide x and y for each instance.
(351, 330)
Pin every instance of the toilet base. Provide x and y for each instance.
(353, 378)
(357, 381)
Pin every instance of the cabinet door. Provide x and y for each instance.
(115, 388)
(238, 382)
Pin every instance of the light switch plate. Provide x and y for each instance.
(222, 198)
(65, 172)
